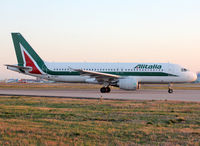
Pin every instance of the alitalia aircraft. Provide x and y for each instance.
(127, 76)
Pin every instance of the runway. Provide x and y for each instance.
(142, 94)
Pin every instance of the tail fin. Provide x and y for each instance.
(26, 56)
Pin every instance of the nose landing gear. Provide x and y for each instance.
(170, 90)
(105, 89)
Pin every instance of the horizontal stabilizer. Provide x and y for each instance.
(20, 68)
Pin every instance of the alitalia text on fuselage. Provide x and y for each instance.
(145, 66)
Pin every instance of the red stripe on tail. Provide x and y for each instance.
(30, 63)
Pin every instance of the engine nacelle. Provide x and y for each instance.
(128, 84)
(91, 81)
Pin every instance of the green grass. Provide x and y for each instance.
(55, 121)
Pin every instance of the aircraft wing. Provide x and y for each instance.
(99, 76)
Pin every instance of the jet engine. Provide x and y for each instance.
(128, 84)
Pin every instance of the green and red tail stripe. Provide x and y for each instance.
(26, 56)
(30, 63)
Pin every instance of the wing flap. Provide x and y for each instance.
(99, 76)
(96, 74)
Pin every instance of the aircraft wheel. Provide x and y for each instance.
(107, 89)
(103, 90)
(170, 90)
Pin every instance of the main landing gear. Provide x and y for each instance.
(170, 90)
(105, 89)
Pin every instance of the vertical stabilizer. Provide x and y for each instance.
(26, 56)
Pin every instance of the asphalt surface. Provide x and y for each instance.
(142, 94)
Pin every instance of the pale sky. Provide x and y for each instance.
(103, 31)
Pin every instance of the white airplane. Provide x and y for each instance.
(127, 76)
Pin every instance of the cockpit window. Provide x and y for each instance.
(184, 69)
